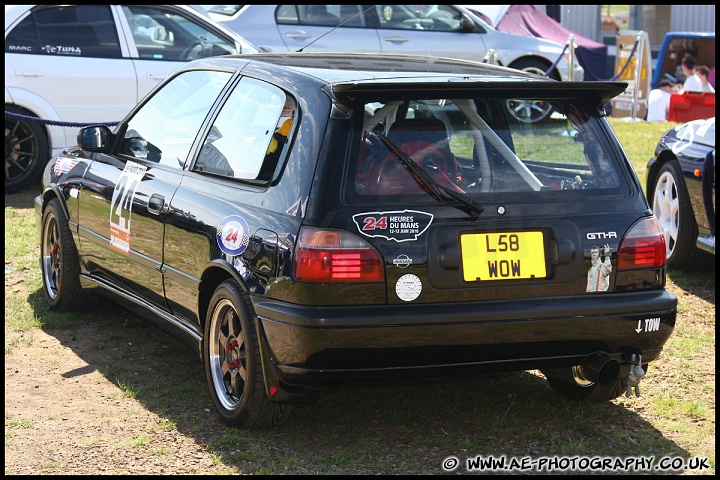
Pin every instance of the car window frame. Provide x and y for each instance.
(121, 132)
(273, 162)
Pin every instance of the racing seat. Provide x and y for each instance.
(426, 142)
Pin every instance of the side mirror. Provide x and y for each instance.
(94, 138)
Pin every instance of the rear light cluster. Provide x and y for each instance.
(643, 246)
(336, 256)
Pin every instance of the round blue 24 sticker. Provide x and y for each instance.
(232, 235)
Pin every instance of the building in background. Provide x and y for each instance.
(601, 22)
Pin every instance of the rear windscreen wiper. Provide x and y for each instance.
(431, 187)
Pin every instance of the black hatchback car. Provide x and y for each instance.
(305, 220)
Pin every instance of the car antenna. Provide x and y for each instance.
(332, 29)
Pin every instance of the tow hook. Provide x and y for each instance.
(636, 374)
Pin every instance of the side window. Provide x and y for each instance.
(78, 31)
(346, 12)
(250, 134)
(325, 15)
(165, 127)
(287, 15)
(439, 18)
(318, 15)
(166, 35)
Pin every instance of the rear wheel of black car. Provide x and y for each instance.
(570, 383)
(59, 263)
(26, 150)
(232, 362)
(672, 207)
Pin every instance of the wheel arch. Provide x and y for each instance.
(216, 272)
(35, 105)
(663, 158)
(526, 60)
(53, 191)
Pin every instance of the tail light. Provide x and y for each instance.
(643, 246)
(336, 256)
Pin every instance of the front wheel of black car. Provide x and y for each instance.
(59, 263)
(26, 150)
(571, 385)
(672, 207)
(232, 362)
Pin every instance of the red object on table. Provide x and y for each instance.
(688, 106)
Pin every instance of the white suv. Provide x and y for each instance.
(75, 64)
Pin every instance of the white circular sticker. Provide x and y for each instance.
(408, 287)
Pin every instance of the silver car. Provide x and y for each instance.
(437, 30)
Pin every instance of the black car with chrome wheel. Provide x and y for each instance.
(304, 220)
(681, 184)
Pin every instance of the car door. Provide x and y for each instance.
(125, 196)
(312, 28)
(163, 37)
(70, 59)
(427, 30)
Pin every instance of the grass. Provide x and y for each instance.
(639, 139)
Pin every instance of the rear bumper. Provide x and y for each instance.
(316, 346)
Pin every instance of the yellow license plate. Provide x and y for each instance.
(503, 256)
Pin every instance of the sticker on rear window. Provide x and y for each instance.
(408, 287)
(399, 225)
(232, 235)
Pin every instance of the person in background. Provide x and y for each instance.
(659, 101)
(692, 80)
(702, 71)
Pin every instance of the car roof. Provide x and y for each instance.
(364, 72)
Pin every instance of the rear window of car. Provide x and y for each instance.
(484, 147)
(74, 31)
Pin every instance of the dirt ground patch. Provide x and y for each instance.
(107, 393)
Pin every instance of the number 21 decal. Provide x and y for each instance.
(121, 206)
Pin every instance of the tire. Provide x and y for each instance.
(530, 111)
(672, 207)
(232, 362)
(59, 263)
(583, 390)
(26, 151)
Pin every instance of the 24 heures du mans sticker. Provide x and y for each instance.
(397, 225)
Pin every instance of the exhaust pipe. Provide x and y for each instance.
(599, 368)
